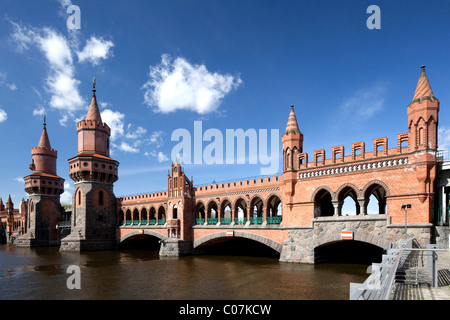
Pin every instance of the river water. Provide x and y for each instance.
(41, 273)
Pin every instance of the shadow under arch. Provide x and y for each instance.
(241, 243)
(141, 239)
(348, 251)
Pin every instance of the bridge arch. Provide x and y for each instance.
(240, 234)
(359, 250)
(140, 233)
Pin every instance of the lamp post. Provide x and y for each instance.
(406, 207)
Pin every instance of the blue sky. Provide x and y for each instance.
(243, 64)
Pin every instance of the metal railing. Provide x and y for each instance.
(443, 155)
(405, 263)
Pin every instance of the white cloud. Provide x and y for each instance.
(156, 138)
(127, 148)
(66, 197)
(60, 82)
(3, 115)
(139, 132)
(40, 111)
(364, 103)
(96, 49)
(160, 156)
(12, 86)
(444, 138)
(58, 50)
(19, 179)
(115, 120)
(177, 84)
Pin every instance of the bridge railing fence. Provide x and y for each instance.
(406, 263)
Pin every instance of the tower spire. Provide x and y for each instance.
(292, 124)
(423, 89)
(44, 141)
(94, 112)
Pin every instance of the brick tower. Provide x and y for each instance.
(180, 213)
(422, 136)
(292, 141)
(93, 220)
(44, 188)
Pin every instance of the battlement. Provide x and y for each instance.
(154, 196)
(301, 161)
(92, 124)
(44, 151)
(233, 185)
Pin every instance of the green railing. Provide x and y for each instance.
(127, 223)
(161, 221)
(152, 222)
(199, 221)
(443, 216)
(135, 222)
(240, 220)
(256, 220)
(225, 220)
(274, 220)
(213, 220)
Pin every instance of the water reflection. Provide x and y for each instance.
(139, 275)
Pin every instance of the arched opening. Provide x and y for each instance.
(256, 210)
(236, 246)
(161, 215)
(200, 213)
(135, 217)
(240, 211)
(375, 199)
(128, 217)
(323, 207)
(152, 216)
(274, 210)
(174, 212)
(212, 213)
(348, 202)
(225, 212)
(348, 251)
(144, 216)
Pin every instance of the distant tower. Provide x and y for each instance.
(9, 218)
(44, 188)
(93, 220)
(292, 141)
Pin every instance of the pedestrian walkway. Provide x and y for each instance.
(424, 290)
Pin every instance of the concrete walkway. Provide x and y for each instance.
(424, 291)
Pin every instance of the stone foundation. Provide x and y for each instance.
(377, 230)
(175, 248)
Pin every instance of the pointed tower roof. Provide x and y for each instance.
(292, 124)
(44, 142)
(94, 112)
(423, 89)
(1, 203)
(9, 200)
